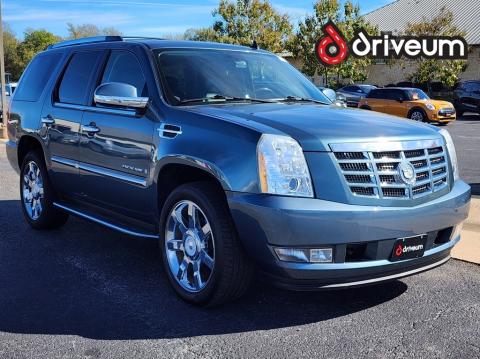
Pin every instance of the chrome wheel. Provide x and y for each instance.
(417, 116)
(33, 190)
(189, 246)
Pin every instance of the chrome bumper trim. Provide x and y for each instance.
(389, 277)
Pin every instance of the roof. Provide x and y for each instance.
(396, 15)
(153, 43)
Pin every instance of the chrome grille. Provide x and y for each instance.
(386, 174)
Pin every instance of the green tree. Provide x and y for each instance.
(243, 21)
(348, 20)
(87, 30)
(10, 46)
(428, 70)
(34, 42)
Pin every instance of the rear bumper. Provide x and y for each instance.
(265, 222)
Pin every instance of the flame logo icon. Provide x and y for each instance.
(331, 49)
(399, 250)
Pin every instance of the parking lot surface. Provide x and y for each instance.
(85, 291)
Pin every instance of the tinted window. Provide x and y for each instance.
(74, 85)
(350, 88)
(36, 77)
(377, 94)
(124, 67)
(473, 86)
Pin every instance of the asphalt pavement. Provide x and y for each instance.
(85, 291)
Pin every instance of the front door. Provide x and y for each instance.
(116, 146)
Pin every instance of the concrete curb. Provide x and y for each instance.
(468, 249)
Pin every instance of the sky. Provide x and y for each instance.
(134, 17)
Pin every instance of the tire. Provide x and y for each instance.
(231, 272)
(37, 195)
(418, 115)
(366, 108)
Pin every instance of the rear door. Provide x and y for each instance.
(375, 100)
(116, 160)
(62, 115)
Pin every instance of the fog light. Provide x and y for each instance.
(457, 230)
(292, 254)
(318, 255)
(305, 255)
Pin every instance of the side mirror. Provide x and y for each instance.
(119, 94)
(332, 96)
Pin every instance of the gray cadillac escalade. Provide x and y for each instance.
(234, 162)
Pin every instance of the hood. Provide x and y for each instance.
(316, 126)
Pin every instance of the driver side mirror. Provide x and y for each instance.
(119, 94)
(332, 96)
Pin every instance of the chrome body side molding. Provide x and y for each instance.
(101, 171)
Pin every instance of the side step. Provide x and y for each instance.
(105, 223)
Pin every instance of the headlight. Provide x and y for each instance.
(430, 106)
(282, 167)
(451, 152)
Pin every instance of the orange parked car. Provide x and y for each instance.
(412, 103)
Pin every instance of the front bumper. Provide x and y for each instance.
(264, 222)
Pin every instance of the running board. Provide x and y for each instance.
(104, 223)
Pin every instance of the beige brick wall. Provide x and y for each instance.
(382, 74)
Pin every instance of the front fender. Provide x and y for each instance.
(225, 150)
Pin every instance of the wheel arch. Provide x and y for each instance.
(178, 170)
(26, 144)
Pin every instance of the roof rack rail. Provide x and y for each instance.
(141, 38)
(85, 40)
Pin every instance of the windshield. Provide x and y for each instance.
(417, 94)
(216, 75)
(367, 88)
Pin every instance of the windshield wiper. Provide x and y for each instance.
(300, 99)
(221, 98)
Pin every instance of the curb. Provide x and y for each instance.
(474, 216)
(468, 249)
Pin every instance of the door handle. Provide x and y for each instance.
(90, 129)
(48, 121)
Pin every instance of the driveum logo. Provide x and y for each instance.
(407, 249)
(333, 49)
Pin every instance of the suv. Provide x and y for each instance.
(411, 103)
(354, 93)
(234, 162)
(467, 97)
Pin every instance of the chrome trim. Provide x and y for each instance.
(162, 129)
(89, 129)
(382, 146)
(124, 112)
(388, 277)
(101, 171)
(104, 223)
(135, 102)
(65, 161)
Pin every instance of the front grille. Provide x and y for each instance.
(388, 174)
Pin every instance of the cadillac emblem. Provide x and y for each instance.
(406, 173)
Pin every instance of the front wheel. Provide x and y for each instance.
(202, 255)
(418, 115)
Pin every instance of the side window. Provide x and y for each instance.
(36, 77)
(124, 67)
(349, 88)
(474, 86)
(75, 81)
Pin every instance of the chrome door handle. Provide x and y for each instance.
(90, 129)
(48, 121)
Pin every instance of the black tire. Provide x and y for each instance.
(422, 116)
(365, 108)
(232, 271)
(49, 217)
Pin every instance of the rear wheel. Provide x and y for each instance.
(418, 115)
(202, 255)
(364, 107)
(37, 195)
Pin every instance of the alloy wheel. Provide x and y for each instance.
(189, 246)
(33, 190)
(417, 116)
